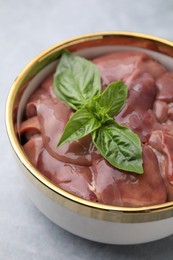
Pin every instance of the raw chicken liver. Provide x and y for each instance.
(77, 167)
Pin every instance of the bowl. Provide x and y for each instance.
(90, 220)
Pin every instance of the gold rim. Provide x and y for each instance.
(88, 208)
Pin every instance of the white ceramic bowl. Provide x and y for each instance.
(94, 221)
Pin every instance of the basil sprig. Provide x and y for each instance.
(119, 146)
(77, 82)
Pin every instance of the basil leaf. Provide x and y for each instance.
(120, 146)
(113, 98)
(76, 80)
(80, 124)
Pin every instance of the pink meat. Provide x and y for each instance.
(33, 148)
(170, 111)
(139, 72)
(162, 145)
(77, 167)
(47, 86)
(116, 187)
(165, 87)
(70, 177)
(160, 109)
(38, 96)
(118, 66)
(30, 127)
(127, 66)
(53, 117)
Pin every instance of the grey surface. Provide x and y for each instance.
(27, 28)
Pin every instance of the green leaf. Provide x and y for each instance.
(99, 112)
(120, 146)
(76, 80)
(80, 124)
(113, 98)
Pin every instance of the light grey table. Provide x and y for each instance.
(26, 28)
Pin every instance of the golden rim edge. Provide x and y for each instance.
(72, 202)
